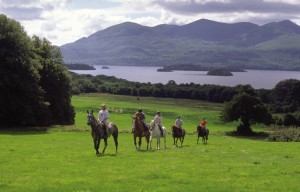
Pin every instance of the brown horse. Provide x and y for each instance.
(98, 132)
(177, 135)
(202, 132)
(140, 132)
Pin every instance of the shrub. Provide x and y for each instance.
(285, 135)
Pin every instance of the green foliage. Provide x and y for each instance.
(35, 88)
(21, 97)
(285, 135)
(55, 81)
(286, 96)
(248, 109)
(113, 85)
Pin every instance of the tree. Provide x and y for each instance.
(35, 87)
(248, 109)
(21, 97)
(290, 120)
(55, 81)
(286, 94)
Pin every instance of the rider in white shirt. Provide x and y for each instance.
(158, 121)
(178, 123)
(103, 117)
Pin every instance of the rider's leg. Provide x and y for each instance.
(161, 130)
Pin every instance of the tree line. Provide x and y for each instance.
(282, 99)
(35, 86)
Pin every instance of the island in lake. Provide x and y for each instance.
(104, 67)
(191, 67)
(164, 70)
(80, 67)
(219, 72)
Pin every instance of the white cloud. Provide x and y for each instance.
(62, 21)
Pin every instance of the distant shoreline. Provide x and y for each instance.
(80, 67)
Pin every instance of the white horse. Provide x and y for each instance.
(156, 133)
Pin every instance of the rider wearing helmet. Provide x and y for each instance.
(178, 123)
(158, 121)
(141, 116)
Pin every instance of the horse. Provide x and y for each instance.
(98, 132)
(156, 133)
(139, 132)
(177, 135)
(202, 132)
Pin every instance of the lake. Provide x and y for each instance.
(256, 78)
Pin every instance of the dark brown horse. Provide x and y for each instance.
(140, 132)
(98, 132)
(202, 132)
(177, 135)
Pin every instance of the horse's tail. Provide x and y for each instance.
(115, 135)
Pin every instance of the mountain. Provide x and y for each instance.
(204, 42)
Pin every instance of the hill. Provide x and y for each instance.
(203, 42)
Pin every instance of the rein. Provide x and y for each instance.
(93, 122)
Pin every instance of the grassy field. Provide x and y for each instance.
(63, 158)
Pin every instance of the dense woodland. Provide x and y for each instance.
(283, 99)
(35, 86)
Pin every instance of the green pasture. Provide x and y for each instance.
(63, 158)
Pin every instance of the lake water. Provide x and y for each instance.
(256, 78)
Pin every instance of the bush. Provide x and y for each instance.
(285, 135)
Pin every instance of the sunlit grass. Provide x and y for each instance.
(63, 158)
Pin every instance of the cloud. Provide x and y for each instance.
(226, 6)
(64, 21)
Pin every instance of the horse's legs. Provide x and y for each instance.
(96, 145)
(150, 141)
(198, 139)
(165, 140)
(105, 145)
(158, 143)
(147, 140)
(140, 142)
(116, 142)
(181, 140)
(134, 139)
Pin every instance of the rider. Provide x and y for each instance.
(103, 118)
(178, 123)
(203, 123)
(158, 121)
(142, 117)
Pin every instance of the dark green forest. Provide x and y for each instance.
(35, 86)
(283, 100)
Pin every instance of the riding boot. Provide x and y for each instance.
(161, 131)
(145, 129)
(105, 132)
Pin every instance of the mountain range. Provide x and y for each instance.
(203, 42)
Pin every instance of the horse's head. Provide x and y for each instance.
(152, 125)
(90, 117)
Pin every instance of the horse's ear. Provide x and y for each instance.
(87, 111)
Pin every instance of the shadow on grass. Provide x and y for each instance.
(252, 136)
(106, 155)
(24, 131)
(146, 150)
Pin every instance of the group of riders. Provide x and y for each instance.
(104, 114)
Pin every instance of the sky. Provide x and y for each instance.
(65, 21)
